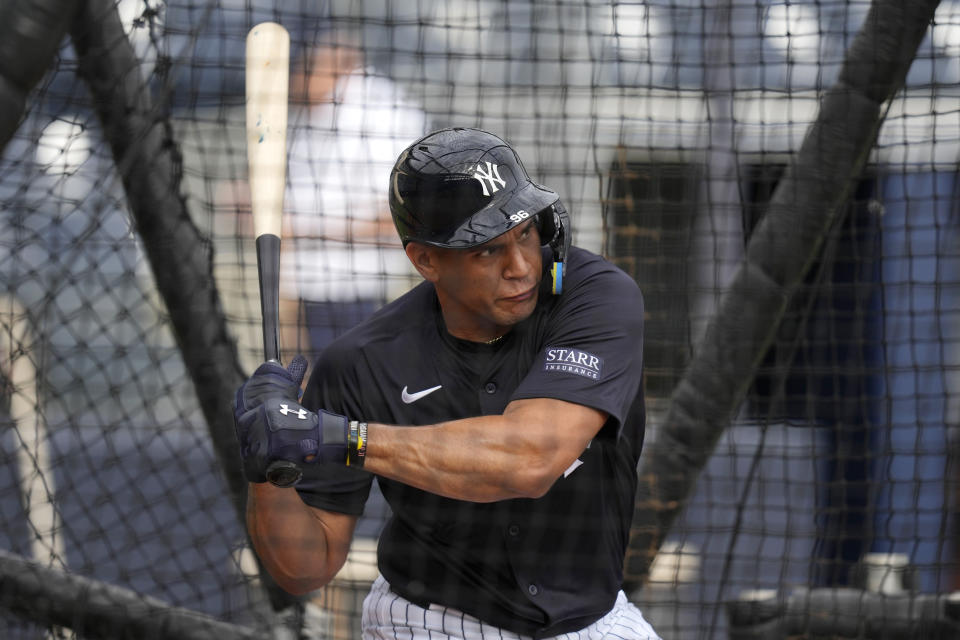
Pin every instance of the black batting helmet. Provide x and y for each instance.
(457, 188)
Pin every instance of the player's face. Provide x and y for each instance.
(487, 289)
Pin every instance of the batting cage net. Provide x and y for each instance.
(779, 176)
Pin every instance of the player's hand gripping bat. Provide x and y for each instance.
(267, 81)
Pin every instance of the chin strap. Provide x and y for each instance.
(556, 273)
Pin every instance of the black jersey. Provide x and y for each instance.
(536, 567)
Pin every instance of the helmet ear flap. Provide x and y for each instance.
(547, 225)
(554, 228)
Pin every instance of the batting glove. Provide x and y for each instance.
(282, 431)
(270, 380)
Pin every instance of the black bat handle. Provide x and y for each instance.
(268, 270)
(280, 473)
(283, 473)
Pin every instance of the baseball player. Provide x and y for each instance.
(497, 404)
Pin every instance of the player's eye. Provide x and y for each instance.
(528, 233)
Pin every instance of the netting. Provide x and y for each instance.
(667, 126)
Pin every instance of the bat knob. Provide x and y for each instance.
(282, 473)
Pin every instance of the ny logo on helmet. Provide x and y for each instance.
(491, 175)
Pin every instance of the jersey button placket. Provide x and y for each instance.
(513, 531)
(490, 398)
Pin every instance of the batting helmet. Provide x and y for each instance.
(458, 188)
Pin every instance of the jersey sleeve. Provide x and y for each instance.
(592, 346)
(334, 487)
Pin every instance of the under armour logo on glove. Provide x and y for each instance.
(279, 430)
(301, 412)
(270, 380)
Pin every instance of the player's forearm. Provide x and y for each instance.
(290, 541)
(482, 459)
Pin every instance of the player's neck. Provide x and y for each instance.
(492, 336)
(482, 332)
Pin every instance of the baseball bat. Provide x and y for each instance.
(267, 81)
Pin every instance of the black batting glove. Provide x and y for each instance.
(283, 431)
(270, 380)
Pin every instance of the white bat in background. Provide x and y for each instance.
(268, 72)
(267, 81)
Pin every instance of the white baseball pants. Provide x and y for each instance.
(388, 616)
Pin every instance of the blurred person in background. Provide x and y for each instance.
(341, 258)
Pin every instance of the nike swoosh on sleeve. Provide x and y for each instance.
(573, 467)
(413, 397)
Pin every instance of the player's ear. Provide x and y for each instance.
(424, 260)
